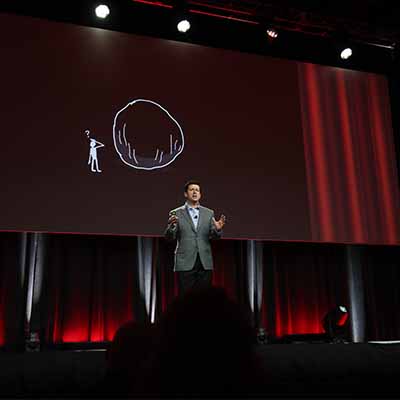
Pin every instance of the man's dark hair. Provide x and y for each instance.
(188, 183)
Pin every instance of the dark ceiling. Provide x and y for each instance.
(308, 29)
(376, 21)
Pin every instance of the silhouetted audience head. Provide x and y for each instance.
(205, 347)
(206, 318)
(126, 356)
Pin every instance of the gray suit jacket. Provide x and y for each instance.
(190, 240)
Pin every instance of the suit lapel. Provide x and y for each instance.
(188, 217)
(201, 217)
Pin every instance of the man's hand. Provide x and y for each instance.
(220, 223)
(173, 219)
(172, 229)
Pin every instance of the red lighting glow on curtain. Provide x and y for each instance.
(91, 287)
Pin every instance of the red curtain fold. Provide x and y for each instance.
(302, 282)
(229, 267)
(349, 153)
(167, 280)
(90, 287)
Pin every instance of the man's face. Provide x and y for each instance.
(193, 193)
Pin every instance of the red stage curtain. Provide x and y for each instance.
(302, 282)
(229, 269)
(90, 287)
(167, 283)
(381, 270)
(349, 153)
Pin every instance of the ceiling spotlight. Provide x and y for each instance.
(102, 11)
(183, 26)
(346, 53)
(272, 33)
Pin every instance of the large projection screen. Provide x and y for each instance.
(100, 130)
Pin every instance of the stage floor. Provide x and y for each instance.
(291, 370)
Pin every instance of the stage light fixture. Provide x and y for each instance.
(346, 53)
(272, 33)
(335, 324)
(183, 26)
(102, 11)
(262, 336)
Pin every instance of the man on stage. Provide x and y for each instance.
(193, 226)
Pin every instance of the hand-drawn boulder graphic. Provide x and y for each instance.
(146, 136)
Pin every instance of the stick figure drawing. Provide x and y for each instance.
(93, 160)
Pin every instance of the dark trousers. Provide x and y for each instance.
(196, 278)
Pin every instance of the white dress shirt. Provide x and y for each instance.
(194, 213)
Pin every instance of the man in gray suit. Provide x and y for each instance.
(193, 226)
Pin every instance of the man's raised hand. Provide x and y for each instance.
(220, 223)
